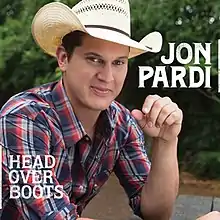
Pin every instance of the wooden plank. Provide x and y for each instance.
(189, 207)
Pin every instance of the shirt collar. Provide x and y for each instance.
(72, 128)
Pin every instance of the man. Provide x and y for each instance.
(77, 121)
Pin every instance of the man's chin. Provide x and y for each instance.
(99, 106)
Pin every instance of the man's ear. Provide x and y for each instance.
(62, 58)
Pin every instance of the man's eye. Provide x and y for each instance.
(118, 62)
(95, 60)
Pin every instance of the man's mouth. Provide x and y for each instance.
(100, 91)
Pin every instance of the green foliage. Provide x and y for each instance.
(206, 164)
(22, 62)
(48, 78)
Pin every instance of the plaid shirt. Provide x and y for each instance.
(40, 121)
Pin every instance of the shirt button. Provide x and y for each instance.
(95, 186)
(87, 138)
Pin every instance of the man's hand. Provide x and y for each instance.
(159, 118)
(210, 216)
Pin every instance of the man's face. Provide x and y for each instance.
(95, 73)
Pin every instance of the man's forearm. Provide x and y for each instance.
(160, 191)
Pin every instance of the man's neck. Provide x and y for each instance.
(88, 118)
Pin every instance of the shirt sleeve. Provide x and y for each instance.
(21, 136)
(133, 166)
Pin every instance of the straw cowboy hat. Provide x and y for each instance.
(105, 19)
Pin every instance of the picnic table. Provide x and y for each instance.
(190, 207)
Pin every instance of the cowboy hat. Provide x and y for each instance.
(105, 19)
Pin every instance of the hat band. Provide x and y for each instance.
(108, 28)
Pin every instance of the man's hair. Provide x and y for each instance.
(72, 40)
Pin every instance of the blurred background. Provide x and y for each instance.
(24, 65)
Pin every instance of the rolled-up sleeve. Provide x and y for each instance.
(21, 136)
(133, 166)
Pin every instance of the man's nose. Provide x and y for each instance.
(106, 73)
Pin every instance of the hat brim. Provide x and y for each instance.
(54, 20)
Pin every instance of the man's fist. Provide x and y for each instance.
(160, 117)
